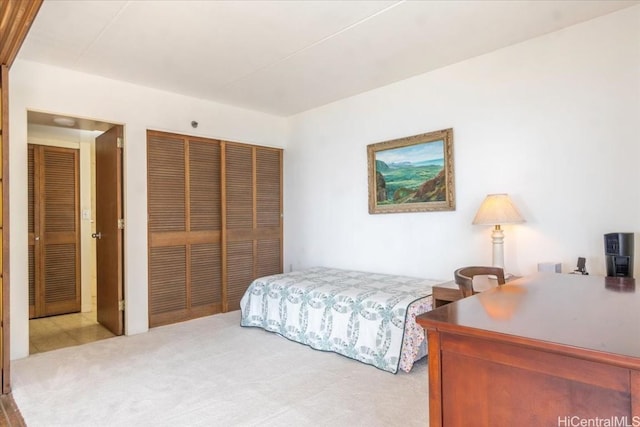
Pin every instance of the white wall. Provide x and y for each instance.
(43, 88)
(553, 121)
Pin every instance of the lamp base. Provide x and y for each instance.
(497, 238)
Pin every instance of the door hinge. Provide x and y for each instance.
(121, 224)
(121, 305)
(119, 142)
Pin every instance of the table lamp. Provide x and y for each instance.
(497, 209)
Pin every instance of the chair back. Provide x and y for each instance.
(464, 277)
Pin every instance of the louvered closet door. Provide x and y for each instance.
(54, 224)
(31, 190)
(253, 206)
(185, 277)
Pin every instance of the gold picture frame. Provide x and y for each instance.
(412, 174)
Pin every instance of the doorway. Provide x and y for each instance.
(94, 306)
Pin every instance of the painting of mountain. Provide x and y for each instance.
(412, 174)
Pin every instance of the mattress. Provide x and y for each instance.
(368, 317)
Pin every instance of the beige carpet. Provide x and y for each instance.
(212, 372)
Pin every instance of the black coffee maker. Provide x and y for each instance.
(618, 251)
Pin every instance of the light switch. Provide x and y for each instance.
(86, 213)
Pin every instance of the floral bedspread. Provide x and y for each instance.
(365, 316)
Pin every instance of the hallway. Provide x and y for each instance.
(54, 332)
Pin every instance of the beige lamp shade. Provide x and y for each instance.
(497, 209)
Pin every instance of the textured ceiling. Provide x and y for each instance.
(284, 57)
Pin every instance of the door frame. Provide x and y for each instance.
(5, 338)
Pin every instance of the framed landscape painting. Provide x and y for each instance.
(412, 174)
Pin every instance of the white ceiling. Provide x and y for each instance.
(284, 57)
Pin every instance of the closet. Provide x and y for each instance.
(214, 223)
(54, 224)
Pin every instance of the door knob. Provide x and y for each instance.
(37, 238)
(97, 235)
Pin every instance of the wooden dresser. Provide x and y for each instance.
(549, 349)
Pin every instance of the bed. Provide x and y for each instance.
(368, 317)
